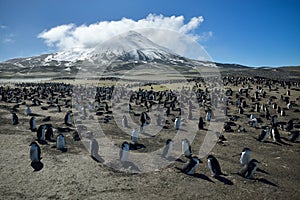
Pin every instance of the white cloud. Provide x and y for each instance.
(59, 36)
(70, 36)
(3, 27)
(8, 39)
(205, 36)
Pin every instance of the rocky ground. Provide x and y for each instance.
(75, 175)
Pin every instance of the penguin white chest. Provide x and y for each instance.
(60, 142)
(135, 135)
(185, 148)
(169, 149)
(265, 136)
(177, 123)
(208, 116)
(28, 111)
(34, 156)
(33, 124)
(211, 167)
(245, 158)
(94, 147)
(69, 118)
(43, 133)
(124, 153)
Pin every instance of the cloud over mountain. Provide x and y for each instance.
(71, 36)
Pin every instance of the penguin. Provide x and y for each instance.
(254, 122)
(15, 119)
(32, 124)
(191, 166)
(60, 142)
(46, 119)
(36, 102)
(83, 111)
(28, 110)
(294, 136)
(257, 108)
(124, 121)
(267, 115)
(143, 119)
(221, 138)
(248, 170)
(263, 135)
(168, 149)
(201, 123)
(177, 123)
(214, 166)
(186, 148)
(290, 125)
(129, 107)
(41, 132)
(282, 113)
(168, 111)
(106, 107)
(94, 148)
(158, 120)
(106, 119)
(252, 116)
(274, 120)
(278, 109)
(134, 135)
(124, 152)
(289, 106)
(245, 156)
(241, 110)
(35, 152)
(275, 134)
(76, 136)
(68, 118)
(49, 133)
(208, 116)
(58, 108)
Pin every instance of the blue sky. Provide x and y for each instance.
(253, 33)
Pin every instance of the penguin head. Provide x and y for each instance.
(196, 159)
(246, 149)
(89, 134)
(254, 161)
(33, 143)
(210, 157)
(168, 141)
(186, 141)
(125, 144)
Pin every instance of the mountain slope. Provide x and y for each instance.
(120, 53)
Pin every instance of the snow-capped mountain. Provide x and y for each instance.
(120, 52)
(131, 46)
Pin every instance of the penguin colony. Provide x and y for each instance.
(253, 101)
